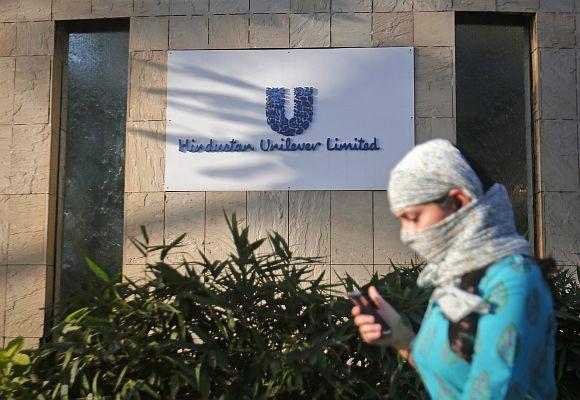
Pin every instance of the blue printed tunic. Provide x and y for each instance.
(514, 345)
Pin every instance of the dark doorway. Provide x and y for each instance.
(94, 59)
(494, 122)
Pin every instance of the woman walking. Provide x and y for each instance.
(489, 329)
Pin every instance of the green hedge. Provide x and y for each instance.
(257, 325)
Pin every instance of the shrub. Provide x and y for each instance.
(257, 325)
(14, 367)
(566, 294)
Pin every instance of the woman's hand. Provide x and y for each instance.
(370, 331)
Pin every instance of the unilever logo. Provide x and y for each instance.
(279, 123)
(303, 110)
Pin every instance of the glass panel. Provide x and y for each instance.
(92, 151)
(493, 103)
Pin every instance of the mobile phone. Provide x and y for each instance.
(370, 309)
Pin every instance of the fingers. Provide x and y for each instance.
(355, 311)
(370, 332)
(363, 319)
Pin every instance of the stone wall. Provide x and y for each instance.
(352, 230)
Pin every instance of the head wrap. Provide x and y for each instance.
(469, 239)
(428, 172)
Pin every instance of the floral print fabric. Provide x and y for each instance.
(514, 344)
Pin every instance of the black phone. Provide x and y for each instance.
(370, 309)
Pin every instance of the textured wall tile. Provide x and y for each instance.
(229, 31)
(559, 170)
(34, 38)
(7, 39)
(309, 30)
(361, 274)
(218, 238)
(28, 342)
(9, 10)
(267, 212)
(185, 213)
(71, 9)
(351, 30)
(561, 227)
(189, 7)
(25, 298)
(320, 270)
(555, 30)
(309, 6)
(434, 83)
(577, 83)
(32, 10)
(434, 29)
(270, 6)
(135, 272)
(351, 5)
(577, 31)
(142, 209)
(383, 269)
(31, 89)
(3, 270)
(474, 5)
(30, 159)
(387, 243)
(518, 5)
(309, 230)
(145, 156)
(188, 32)
(5, 146)
(431, 128)
(433, 5)
(392, 5)
(7, 68)
(558, 83)
(27, 216)
(351, 234)
(557, 5)
(229, 6)
(390, 29)
(4, 234)
(112, 8)
(148, 85)
(151, 7)
(149, 33)
(269, 30)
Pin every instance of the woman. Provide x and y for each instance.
(489, 329)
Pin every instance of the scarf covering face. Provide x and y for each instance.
(471, 238)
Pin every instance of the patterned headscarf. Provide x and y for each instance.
(469, 239)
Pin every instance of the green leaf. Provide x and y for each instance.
(21, 359)
(98, 271)
(561, 364)
(204, 385)
(67, 357)
(120, 377)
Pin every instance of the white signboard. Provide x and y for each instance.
(287, 119)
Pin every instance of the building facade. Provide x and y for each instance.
(352, 230)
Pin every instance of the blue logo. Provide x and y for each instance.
(303, 110)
